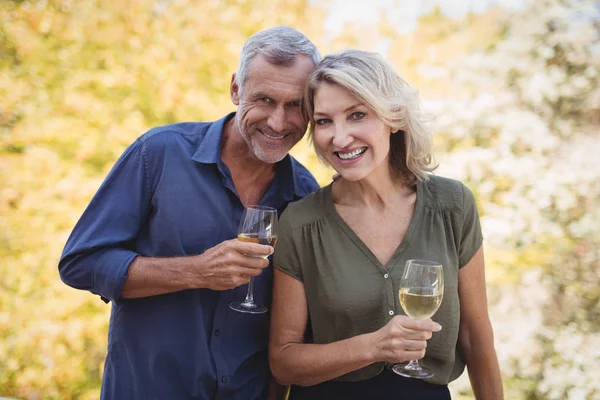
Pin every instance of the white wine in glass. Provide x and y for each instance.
(258, 225)
(420, 303)
(421, 293)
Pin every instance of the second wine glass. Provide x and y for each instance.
(258, 225)
(421, 293)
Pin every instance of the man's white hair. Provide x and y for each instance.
(278, 45)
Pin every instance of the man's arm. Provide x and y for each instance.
(99, 250)
(99, 255)
(219, 268)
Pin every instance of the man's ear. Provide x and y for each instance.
(234, 91)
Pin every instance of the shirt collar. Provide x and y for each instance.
(288, 169)
(286, 174)
(209, 151)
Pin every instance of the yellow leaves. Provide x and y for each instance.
(85, 80)
(506, 266)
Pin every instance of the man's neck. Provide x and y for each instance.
(251, 176)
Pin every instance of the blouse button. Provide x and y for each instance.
(391, 312)
(386, 276)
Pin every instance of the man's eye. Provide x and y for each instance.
(266, 100)
(357, 115)
(322, 121)
(294, 104)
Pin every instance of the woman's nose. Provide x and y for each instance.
(342, 137)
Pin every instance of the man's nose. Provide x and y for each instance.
(276, 120)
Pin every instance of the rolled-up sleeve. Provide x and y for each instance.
(471, 234)
(100, 249)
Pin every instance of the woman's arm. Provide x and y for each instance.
(294, 362)
(476, 338)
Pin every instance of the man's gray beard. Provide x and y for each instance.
(254, 149)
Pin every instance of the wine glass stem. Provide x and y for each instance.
(250, 294)
(412, 364)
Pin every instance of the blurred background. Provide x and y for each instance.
(512, 88)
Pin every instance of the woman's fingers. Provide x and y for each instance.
(414, 345)
(418, 324)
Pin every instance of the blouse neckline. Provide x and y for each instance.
(412, 228)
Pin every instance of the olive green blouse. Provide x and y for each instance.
(349, 292)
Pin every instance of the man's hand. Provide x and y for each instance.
(230, 264)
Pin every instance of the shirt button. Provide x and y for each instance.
(386, 276)
(217, 332)
(224, 379)
(391, 312)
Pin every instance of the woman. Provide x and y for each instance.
(336, 320)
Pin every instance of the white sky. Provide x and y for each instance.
(404, 13)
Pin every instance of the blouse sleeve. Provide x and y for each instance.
(286, 257)
(471, 235)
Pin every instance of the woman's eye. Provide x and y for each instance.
(322, 121)
(357, 115)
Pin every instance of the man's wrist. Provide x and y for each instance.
(193, 277)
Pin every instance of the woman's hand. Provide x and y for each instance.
(403, 339)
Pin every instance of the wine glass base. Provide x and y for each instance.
(248, 308)
(412, 372)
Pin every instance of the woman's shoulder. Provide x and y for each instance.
(447, 194)
(305, 211)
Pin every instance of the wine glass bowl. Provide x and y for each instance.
(258, 225)
(421, 293)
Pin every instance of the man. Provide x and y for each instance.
(158, 238)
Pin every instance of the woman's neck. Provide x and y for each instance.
(378, 190)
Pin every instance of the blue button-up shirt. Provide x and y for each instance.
(170, 194)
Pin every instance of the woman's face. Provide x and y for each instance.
(348, 134)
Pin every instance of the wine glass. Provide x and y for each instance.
(258, 225)
(421, 292)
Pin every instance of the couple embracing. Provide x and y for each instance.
(158, 241)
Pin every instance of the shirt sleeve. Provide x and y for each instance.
(471, 235)
(99, 250)
(286, 257)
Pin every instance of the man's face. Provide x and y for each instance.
(269, 115)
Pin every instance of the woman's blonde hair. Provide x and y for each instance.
(375, 83)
